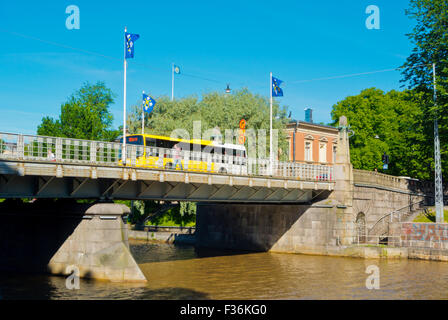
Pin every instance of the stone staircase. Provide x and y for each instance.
(407, 213)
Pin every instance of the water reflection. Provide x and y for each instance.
(183, 272)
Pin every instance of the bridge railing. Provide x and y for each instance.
(68, 150)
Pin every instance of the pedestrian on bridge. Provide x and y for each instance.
(177, 156)
(50, 155)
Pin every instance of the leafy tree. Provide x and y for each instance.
(215, 110)
(385, 122)
(430, 40)
(85, 115)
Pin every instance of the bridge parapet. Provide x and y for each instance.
(380, 179)
(32, 148)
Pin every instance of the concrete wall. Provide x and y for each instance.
(49, 237)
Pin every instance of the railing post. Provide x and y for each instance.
(58, 148)
(133, 154)
(92, 151)
(209, 162)
(20, 147)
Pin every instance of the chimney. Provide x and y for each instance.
(309, 115)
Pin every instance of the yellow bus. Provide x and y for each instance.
(154, 151)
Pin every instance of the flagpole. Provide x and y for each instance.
(123, 153)
(172, 81)
(270, 125)
(143, 118)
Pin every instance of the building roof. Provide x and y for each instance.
(317, 126)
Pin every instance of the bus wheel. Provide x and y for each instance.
(169, 166)
(222, 170)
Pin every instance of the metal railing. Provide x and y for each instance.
(402, 241)
(377, 240)
(381, 227)
(67, 150)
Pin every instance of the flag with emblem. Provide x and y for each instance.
(148, 103)
(130, 39)
(276, 90)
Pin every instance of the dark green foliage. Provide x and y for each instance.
(85, 115)
(430, 40)
(396, 119)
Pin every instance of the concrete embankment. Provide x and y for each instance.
(178, 235)
(377, 252)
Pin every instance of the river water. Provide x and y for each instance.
(184, 272)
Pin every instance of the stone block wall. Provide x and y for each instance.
(50, 238)
(376, 194)
(267, 227)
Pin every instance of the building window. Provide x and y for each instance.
(322, 152)
(308, 151)
(334, 154)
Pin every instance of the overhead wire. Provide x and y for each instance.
(194, 75)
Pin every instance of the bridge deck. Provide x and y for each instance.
(91, 169)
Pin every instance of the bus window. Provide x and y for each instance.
(184, 146)
(150, 142)
(167, 144)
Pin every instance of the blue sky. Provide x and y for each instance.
(236, 42)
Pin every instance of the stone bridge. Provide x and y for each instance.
(294, 208)
(360, 207)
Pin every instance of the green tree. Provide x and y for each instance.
(430, 41)
(214, 110)
(85, 115)
(385, 122)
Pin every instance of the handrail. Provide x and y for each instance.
(390, 214)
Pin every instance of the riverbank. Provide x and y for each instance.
(178, 235)
(377, 252)
(186, 235)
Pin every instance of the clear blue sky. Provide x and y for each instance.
(236, 42)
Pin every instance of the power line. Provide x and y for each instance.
(99, 54)
(353, 74)
(193, 75)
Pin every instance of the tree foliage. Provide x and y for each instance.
(430, 40)
(386, 122)
(85, 115)
(215, 110)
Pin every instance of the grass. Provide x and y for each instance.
(166, 221)
(430, 216)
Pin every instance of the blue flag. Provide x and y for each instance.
(130, 38)
(176, 69)
(148, 103)
(276, 90)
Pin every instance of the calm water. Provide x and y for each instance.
(183, 272)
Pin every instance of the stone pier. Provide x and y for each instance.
(326, 222)
(53, 237)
